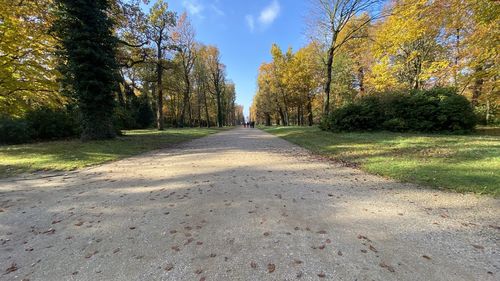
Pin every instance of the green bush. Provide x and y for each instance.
(144, 115)
(435, 110)
(40, 124)
(14, 131)
(51, 124)
(123, 119)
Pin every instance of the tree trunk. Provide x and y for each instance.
(477, 87)
(309, 111)
(159, 70)
(187, 92)
(328, 82)
(268, 119)
(206, 110)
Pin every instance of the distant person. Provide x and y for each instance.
(244, 124)
(252, 124)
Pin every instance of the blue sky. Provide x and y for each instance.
(244, 32)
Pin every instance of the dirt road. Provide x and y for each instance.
(240, 205)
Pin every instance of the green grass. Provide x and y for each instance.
(74, 154)
(469, 163)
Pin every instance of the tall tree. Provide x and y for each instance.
(331, 17)
(160, 24)
(184, 40)
(217, 74)
(89, 63)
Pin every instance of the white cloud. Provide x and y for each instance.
(217, 10)
(250, 22)
(270, 13)
(193, 7)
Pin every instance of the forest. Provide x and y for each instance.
(93, 68)
(391, 65)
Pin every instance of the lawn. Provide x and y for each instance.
(465, 163)
(74, 154)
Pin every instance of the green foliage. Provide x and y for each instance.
(439, 109)
(488, 116)
(88, 62)
(14, 131)
(40, 124)
(123, 119)
(49, 124)
(144, 115)
(138, 115)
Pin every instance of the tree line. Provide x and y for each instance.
(111, 63)
(364, 48)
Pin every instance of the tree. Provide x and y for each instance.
(216, 72)
(331, 17)
(28, 71)
(160, 23)
(184, 40)
(88, 62)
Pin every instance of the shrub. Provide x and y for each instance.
(14, 131)
(123, 119)
(439, 109)
(51, 124)
(144, 115)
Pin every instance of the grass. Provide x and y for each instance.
(465, 163)
(74, 154)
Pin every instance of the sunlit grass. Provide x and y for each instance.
(469, 163)
(74, 154)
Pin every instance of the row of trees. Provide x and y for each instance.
(359, 49)
(113, 63)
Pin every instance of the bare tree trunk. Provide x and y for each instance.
(159, 78)
(477, 87)
(328, 82)
(309, 111)
(206, 110)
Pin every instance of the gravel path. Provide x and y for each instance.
(240, 205)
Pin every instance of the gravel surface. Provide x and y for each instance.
(240, 205)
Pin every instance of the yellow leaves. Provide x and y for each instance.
(27, 73)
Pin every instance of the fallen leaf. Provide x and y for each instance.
(80, 223)
(321, 275)
(271, 268)
(89, 255)
(116, 250)
(212, 255)
(322, 232)
(299, 274)
(50, 231)
(373, 249)
(267, 233)
(11, 268)
(478, 247)
(426, 257)
(199, 271)
(322, 247)
(296, 261)
(169, 267)
(253, 265)
(388, 267)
